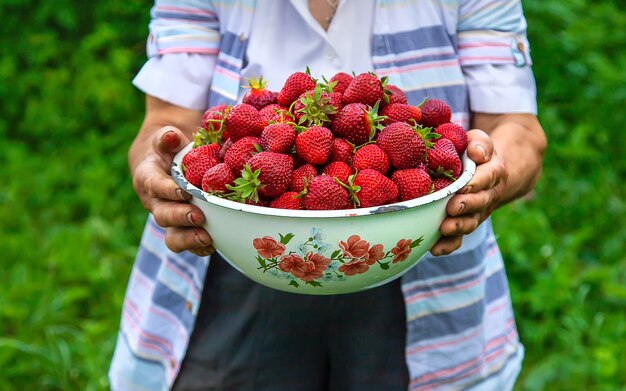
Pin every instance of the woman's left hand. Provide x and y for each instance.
(474, 202)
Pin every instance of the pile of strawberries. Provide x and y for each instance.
(351, 141)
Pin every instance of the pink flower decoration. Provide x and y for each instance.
(308, 269)
(350, 269)
(268, 247)
(355, 248)
(375, 254)
(401, 251)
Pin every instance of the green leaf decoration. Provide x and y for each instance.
(384, 266)
(294, 283)
(335, 254)
(285, 239)
(261, 262)
(314, 283)
(417, 242)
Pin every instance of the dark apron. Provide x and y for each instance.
(248, 337)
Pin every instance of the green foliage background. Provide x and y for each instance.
(70, 223)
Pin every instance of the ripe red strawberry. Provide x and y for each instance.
(217, 178)
(443, 159)
(371, 188)
(198, 167)
(324, 193)
(341, 151)
(412, 183)
(314, 144)
(212, 150)
(275, 176)
(295, 85)
(404, 146)
(275, 113)
(240, 152)
(356, 123)
(396, 95)
(440, 183)
(258, 96)
(365, 88)
(266, 174)
(278, 137)
(227, 144)
(435, 112)
(212, 121)
(287, 200)
(301, 176)
(243, 120)
(342, 81)
(456, 134)
(314, 107)
(339, 170)
(371, 156)
(398, 112)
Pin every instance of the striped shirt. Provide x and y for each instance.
(473, 54)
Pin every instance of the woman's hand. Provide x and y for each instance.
(150, 159)
(508, 164)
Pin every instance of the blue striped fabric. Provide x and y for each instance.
(461, 332)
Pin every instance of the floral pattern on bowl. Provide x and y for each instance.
(308, 262)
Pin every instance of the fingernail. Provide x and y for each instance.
(202, 239)
(183, 195)
(461, 207)
(481, 150)
(467, 189)
(193, 220)
(170, 139)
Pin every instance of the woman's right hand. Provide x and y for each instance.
(150, 159)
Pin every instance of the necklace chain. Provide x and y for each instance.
(333, 8)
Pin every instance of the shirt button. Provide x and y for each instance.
(188, 305)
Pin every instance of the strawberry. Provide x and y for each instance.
(275, 113)
(217, 177)
(365, 88)
(287, 200)
(443, 160)
(212, 150)
(266, 174)
(301, 176)
(296, 84)
(371, 156)
(435, 112)
(258, 96)
(404, 146)
(195, 170)
(278, 137)
(371, 188)
(342, 81)
(399, 112)
(212, 129)
(314, 108)
(240, 152)
(339, 170)
(456, 134)
(243, 120)
(440, 183)
(356, 123)
(341, 151)
(324, 193)
(314, 144)
(395, 95)
(227, 144)
(412, 183)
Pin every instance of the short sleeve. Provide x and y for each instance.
(182, 79)
(182, 49)
(495, 57)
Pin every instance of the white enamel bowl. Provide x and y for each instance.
(323, 252)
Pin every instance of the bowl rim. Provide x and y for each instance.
(469, 167)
